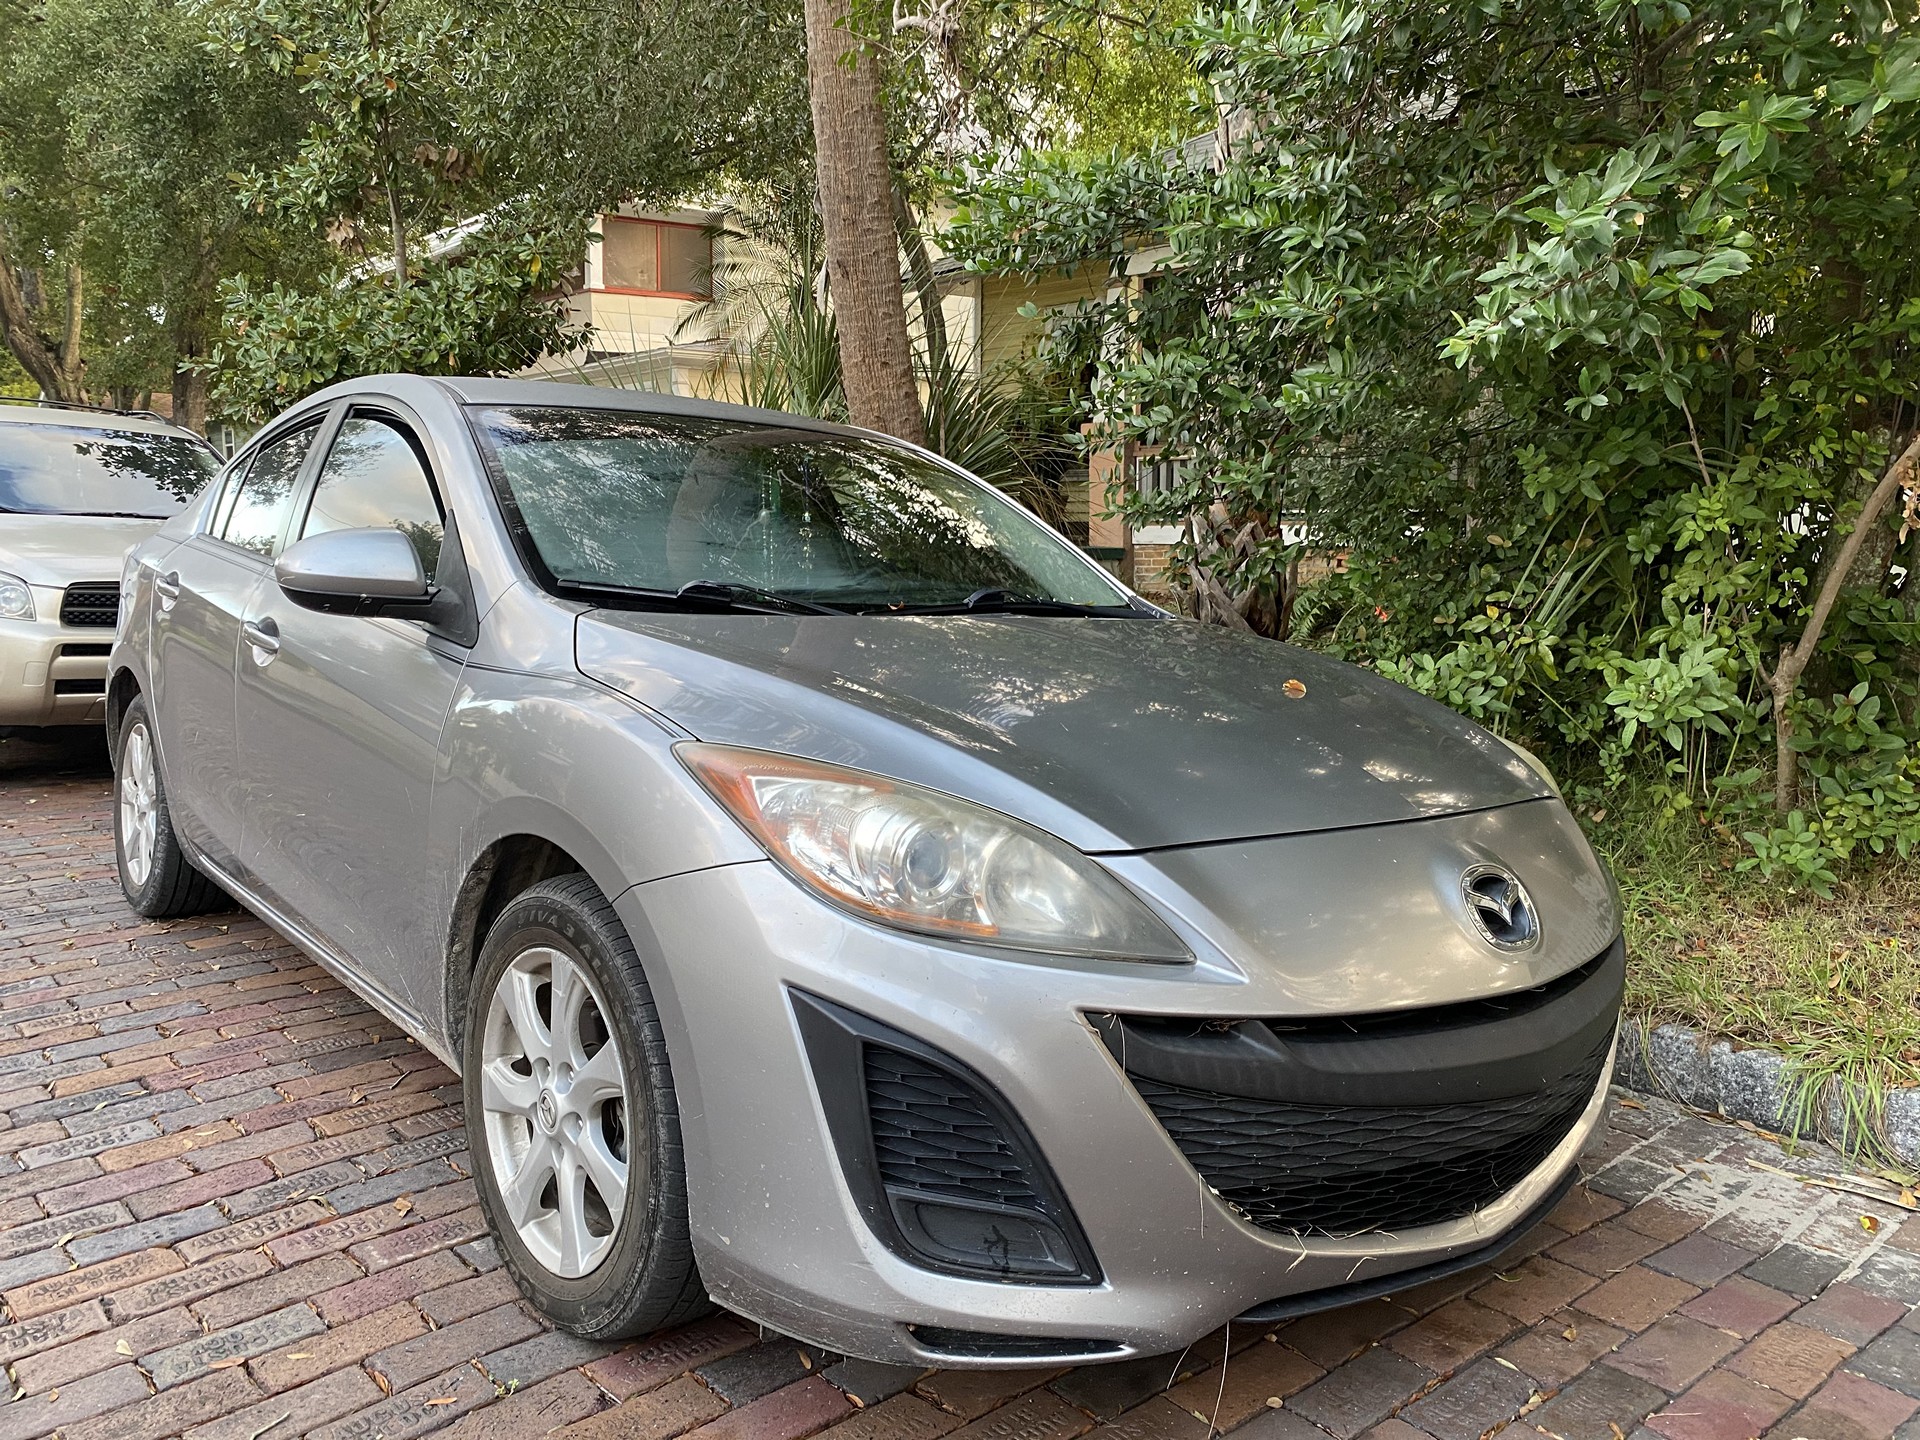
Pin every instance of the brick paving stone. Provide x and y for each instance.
(186, 1286)
(169, 1413)
(414, 1360)
(1602, 1404)
(1605, 1249)
(1790, 1358)
(1674, 1352)
(1348, 1400)
(868, 1382)
(418, 1240)
(679, 1406)
(1743, 1306)
(271, 1291)
(1582, 1209)
(341, 1345)
(749, 1374)
(1534, 1289)
(181, 1225)
(1332, 1337)
(971, 1393)
(1103, 1391)
(1700, 1260)
(24, 1269)
(1721, 1407)
(1893, 1360)
(467, 1297)
(30, 1337)
(1286, 1425)
(102, 1351)
(648, 1363)
(1478, 1399)
(1452, 1336)
(90, 1281)
(225, 1348)
(1666, 1218)
(42, 1414)
(544, 1408)
(545, 1354)
(1041, 1415)
(281, 1417)
(43, 1234)
(1891, 1274)
(377, 1292)
(1635, 1298)
(1796, 1270)
(1556, 1350)
(427, 1406)
(1251, 1379)
(907, 1417)
(1848, 1407)
(1631, 1179)
(1850, 1314)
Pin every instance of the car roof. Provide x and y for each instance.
(474, 390)
(88, 417)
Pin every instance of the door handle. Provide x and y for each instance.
(167, 587)
(264, 636)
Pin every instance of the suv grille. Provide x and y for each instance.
(931, 1132)
(1309, 1170)
(93, 603)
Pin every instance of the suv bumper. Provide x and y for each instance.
(52, 674)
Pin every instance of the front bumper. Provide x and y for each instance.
(783, 1237)
(50, 673)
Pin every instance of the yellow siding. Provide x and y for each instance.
(1007, 335)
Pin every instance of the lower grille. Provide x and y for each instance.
(92, 603)
(1347, 1170)
(932, 1133)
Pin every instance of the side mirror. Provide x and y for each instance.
(354, 572)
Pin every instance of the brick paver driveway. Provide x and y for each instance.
(233, 1206)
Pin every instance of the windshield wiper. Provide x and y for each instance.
(995, 601)
(704, 593)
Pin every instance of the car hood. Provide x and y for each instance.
(1115, 735)
(58, 550)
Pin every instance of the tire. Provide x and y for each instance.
(617, 1260)
(156, 876)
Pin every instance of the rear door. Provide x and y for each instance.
(200, 594)
(339, 720)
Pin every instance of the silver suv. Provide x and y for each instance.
(79, 487)
(840, 897)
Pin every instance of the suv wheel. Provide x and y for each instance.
(572, 1115)
(155, 874)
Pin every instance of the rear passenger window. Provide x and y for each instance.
(374, 478)
(255, 517)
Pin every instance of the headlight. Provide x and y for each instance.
(1535, 764)
(926, 862)
(16, 600)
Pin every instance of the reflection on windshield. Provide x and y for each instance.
(76, 470)
(654, 502)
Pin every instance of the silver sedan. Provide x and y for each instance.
(843, 901)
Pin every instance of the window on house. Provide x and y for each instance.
(655, 258)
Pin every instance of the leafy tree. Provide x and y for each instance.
(1587, 326)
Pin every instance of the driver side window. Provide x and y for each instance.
(374, 478)
(254, 516)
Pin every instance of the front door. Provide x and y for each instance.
(338, 719)
(201, 592)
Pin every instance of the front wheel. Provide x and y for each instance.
(155, 874)
(573, 1120)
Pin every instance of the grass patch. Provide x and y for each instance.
(1833, 984)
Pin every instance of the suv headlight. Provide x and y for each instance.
(16, 599)
(922, 861)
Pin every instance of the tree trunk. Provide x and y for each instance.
(857, 218)
(926, 289)
(1784, 682)
(189, 381)
(53, 361)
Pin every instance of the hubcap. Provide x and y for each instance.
(555, 1103)
(139, 811)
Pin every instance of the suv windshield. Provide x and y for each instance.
(610, 498)
(80, 470)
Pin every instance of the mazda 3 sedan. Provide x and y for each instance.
(842, 900)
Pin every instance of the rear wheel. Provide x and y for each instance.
(573, 1119)
(155, 874)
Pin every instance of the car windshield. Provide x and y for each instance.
(80, 470)
(610, 498)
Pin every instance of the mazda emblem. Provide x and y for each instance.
(1500, 908)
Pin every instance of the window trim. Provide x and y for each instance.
(659, 267)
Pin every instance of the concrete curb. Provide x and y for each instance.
(1757, 1085)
